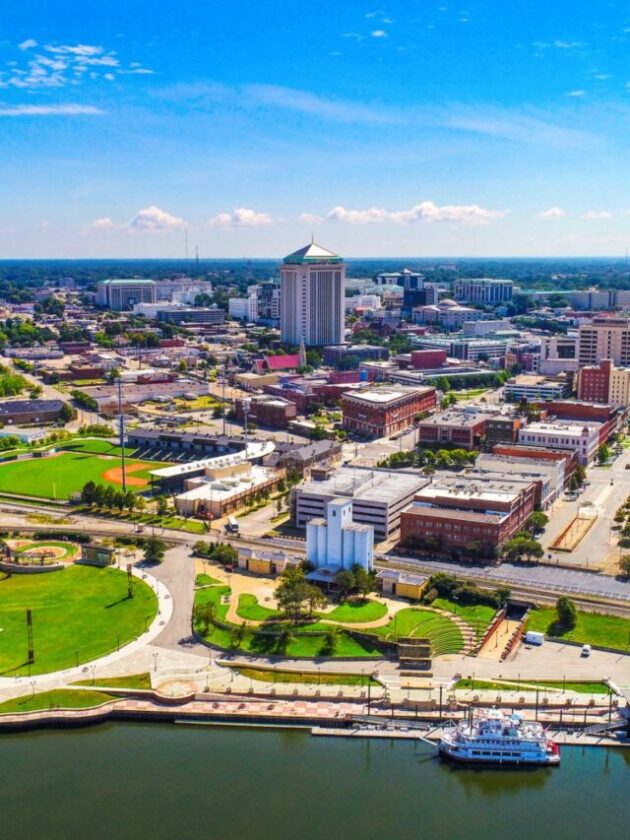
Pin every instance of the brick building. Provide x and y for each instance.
(604, 383)
(428, 359)
(454, 512)
(27, 412)
(381, 412)
(265, 410)
(539, 453)
(463, 429)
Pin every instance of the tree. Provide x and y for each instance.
(566, 612)
(315, 599)
(131, 500)
(99, 495)
(603, 454)
(120, 500)
(537, 521)
(109, 497)
(224, 554)
(67, 413)
(154, 549)
(88, 493)
(345, 583)
(162, 505)
(291, 593)
(624, 565)
(363, 581)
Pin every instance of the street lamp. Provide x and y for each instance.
(155, 659)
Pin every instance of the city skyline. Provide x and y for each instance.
(452, 129)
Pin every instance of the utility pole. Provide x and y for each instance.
(121, 421)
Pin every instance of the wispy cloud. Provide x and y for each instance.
(240, 217)
(69, 110)
(577, 94)
(319, 106)
(552, 213)
(597, 214)
(378, 33)
(424, 212)
(58, 65)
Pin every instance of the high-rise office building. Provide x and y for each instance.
(605, 338)
(312, 290)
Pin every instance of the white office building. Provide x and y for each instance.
(336, 542)
(312, 291)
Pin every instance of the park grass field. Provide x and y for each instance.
(60, 476)
(592, 628)
(63, 698)
(79, 614)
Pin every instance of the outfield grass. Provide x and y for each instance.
(591, 628)
(61, 697)
(356, 612)
(79, 613)
(95, 446)
(478, 616)
(60, 476)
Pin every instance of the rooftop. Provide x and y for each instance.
(382, 396)
(365, 484)
(312, 253)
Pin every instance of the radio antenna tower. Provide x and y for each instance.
(121, 421)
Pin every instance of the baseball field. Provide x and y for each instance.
(60, 475)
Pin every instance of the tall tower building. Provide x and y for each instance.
(312, 284)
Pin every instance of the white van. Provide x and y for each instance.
(586, 650)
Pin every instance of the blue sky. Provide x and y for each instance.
(403, 128)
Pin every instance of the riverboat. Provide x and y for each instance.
(491, 737)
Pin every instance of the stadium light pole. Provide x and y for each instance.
(121, 421)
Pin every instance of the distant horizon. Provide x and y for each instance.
(210, 260)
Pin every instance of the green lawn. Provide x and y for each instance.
(444, 634)
(78, 613)
(70, 549)
(531, 685)
(591, 628)
(267, 643)
(478, 616)
(59, 476)
(142, 681)
(249, 609)
(356, 612)
(306, 677)
(205, 580)
(61, 697)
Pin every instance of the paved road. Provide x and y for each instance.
(177, 573)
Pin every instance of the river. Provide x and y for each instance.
(134, 782)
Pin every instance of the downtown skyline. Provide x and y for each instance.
(402, 129)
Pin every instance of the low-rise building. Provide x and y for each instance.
(583, 438)
(461, 428)
(28, 412)
(381, 412)
(378, 497)
(531, 387)
(472, 516)
(224, 489)
(265, 410)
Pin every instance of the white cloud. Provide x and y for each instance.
(378, 33)
(576, 93)
(103, 224)
(371, 216)
(319, 106)
(567, 45)
(58, 65)
(153, 219)
(49, 110)
(240, 217)
(552, 213)
(597, 214)
(425, 212)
